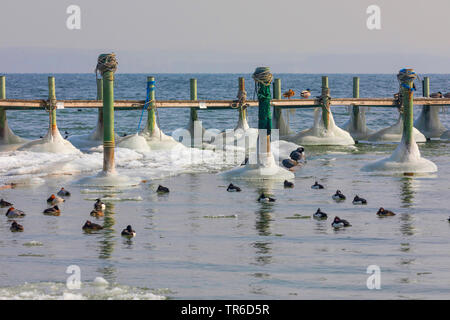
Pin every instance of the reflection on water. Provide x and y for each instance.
(262, 225)
(107, 242)
(407, 191)
(406, 224)
(320, 226)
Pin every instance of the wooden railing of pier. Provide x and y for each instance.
(18, 104)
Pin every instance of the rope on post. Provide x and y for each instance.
(241, 101)
(325, 98)
(404, 76)
(147, 101)
(263, 77)
(106, 62)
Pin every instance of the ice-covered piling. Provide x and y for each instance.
(7, 137)
(52, 141)
(406, 157)
(356, 125)
(428, 122)
(265, 166)
(155, 137)
(324, 130)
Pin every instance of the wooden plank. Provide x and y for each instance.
(218, 104)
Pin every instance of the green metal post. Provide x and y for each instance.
(3, 121)
(100, 97)
(277, 96)
(264, 112)
(426, 87)
(193, 115)
(355, 109)
(193, 83)
(408, 116)
(426, 93)
(52, 99)
(325, 107)
(151, 117)
(108, 117)
(242, 111)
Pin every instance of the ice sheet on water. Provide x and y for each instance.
(99, 289)
(53, 143)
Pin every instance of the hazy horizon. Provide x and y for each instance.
(207, 36)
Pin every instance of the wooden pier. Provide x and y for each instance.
(23, 104)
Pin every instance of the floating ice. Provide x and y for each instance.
(157, 140)
(240, 138)
(428, 122)
(99, 281)
(90, 290)
(108, 198)
(100, 191)
(394, 133)
(33, 243)
(134, 142)
(108, 179)
(318, 135)
(52, 142)
(264, 169)
(282, 149)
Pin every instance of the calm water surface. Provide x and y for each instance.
(201, 242)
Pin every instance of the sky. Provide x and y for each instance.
(228, 36)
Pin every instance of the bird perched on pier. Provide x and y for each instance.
(320, 215)
(128, 232)
(14, 213)
(306, 93)
(53, 211)
(358, 200)
(15, 227)
(63, 193)
(54, 200)
(88, 226)
(339, 223)
(338, 196)
(384, 213)
(436, 95)
(4, 204)
(233, 188)
(288, 94)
